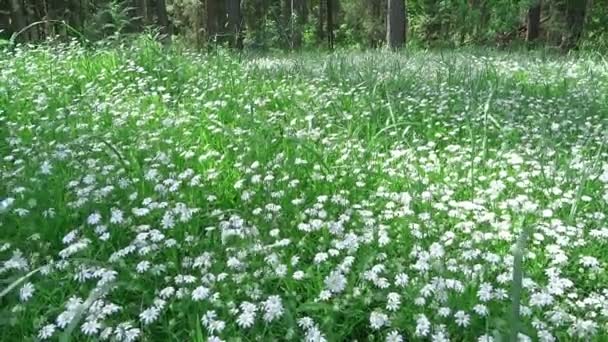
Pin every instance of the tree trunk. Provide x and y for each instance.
(576, 11)
(18, 18)
(5, 21)
(212, 20)
(321, 21)
(54, 10)
(300, 9)
(255, 12)
(330, 24)
(74, 15)
(84, 12)
(395, 24)
(376, 29)
(533, 30)
(163, 20)
(144, 13)
(286, 23)
(233, 7)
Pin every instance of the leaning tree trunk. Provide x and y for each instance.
(533, 30)
(395, 24)
(233, 7)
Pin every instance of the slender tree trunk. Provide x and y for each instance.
(300, 9)
(396, 24)
(84, 12)
(233, 7)
(321, 20)
(286, 23)
(18, 18)
(48, 13)
(163, 20)
(330, 23)
(533, 30)
(255, 13)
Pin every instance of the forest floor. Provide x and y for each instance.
(158, 195)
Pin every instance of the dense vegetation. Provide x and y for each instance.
(152, 193)
(295, 24)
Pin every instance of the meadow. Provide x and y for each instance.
(159, 194)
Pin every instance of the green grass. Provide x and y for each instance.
(251, 179)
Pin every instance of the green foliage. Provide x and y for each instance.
(281, 24)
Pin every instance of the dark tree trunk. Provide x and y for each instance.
(533, 29)
(330, 23)
(286, 23)
(32, 16)
(321, 20)
(233, 7)
(395, 24)
(255, 13)
(75, 18)
(84, 11)
(5, 21)
(213, 13)
(163, 20)
(376, 32)
(18, 18)
(300, 9)
(143, 13)
(54, 10)
(576, 11)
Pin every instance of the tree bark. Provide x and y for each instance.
(321, 21)
(255, 12)
(74, 15)
(18, 18)
(330, 23)
(143, 12)
(576, 11)
(163, 20)
(5, 21)
(233, 7)
(396, 24)
(533, 30)
(300, 9)
(212, 22)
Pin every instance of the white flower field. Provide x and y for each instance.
(154, 195)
